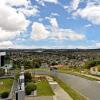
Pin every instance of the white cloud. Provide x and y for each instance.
(53, 22)
(98, 45)
(42, 2)
(40, 19)
(5, 44)
(91, 13)
(39, 31)
(50, 1)
(88, 25)
(23, 6)
(75, 4)
(10, 44)
(67, 34)
(7, 35)
(65, 7)
(54, 14)
(32, 11)
(13, 19)
(11, 22)
(28, 9)
(16, 2)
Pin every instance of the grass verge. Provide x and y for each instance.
(74, 94)
(80, 75)
(44, 89)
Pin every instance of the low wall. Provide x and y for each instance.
(94, 72)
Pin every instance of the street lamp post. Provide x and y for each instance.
(20, 93)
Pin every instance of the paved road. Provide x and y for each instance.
(90, 89)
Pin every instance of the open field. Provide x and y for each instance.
(5, 84)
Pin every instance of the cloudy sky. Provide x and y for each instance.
(50, 24)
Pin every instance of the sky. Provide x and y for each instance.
(50, 24)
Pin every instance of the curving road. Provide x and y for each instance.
(90, 89)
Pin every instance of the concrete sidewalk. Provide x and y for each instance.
(89, 75)
(60, 94)
(92, 76)
(39, 98)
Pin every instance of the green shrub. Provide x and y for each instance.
(28, 77)
(5, 94)
(30, 87)
(28, 90)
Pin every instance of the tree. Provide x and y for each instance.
(36, 63)
(54, 63)
(27, 64)
(90, 64)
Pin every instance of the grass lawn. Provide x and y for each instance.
(5, 84)
(74, 94)
(44, 89)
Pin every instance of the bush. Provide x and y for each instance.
(28, 77)
(30, 87)
(28, 90)
(5, 94)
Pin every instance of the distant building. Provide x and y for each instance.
(44, 65)
(3, 65)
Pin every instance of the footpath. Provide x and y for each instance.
(96, 77)
(89, 75)
(60, 94)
